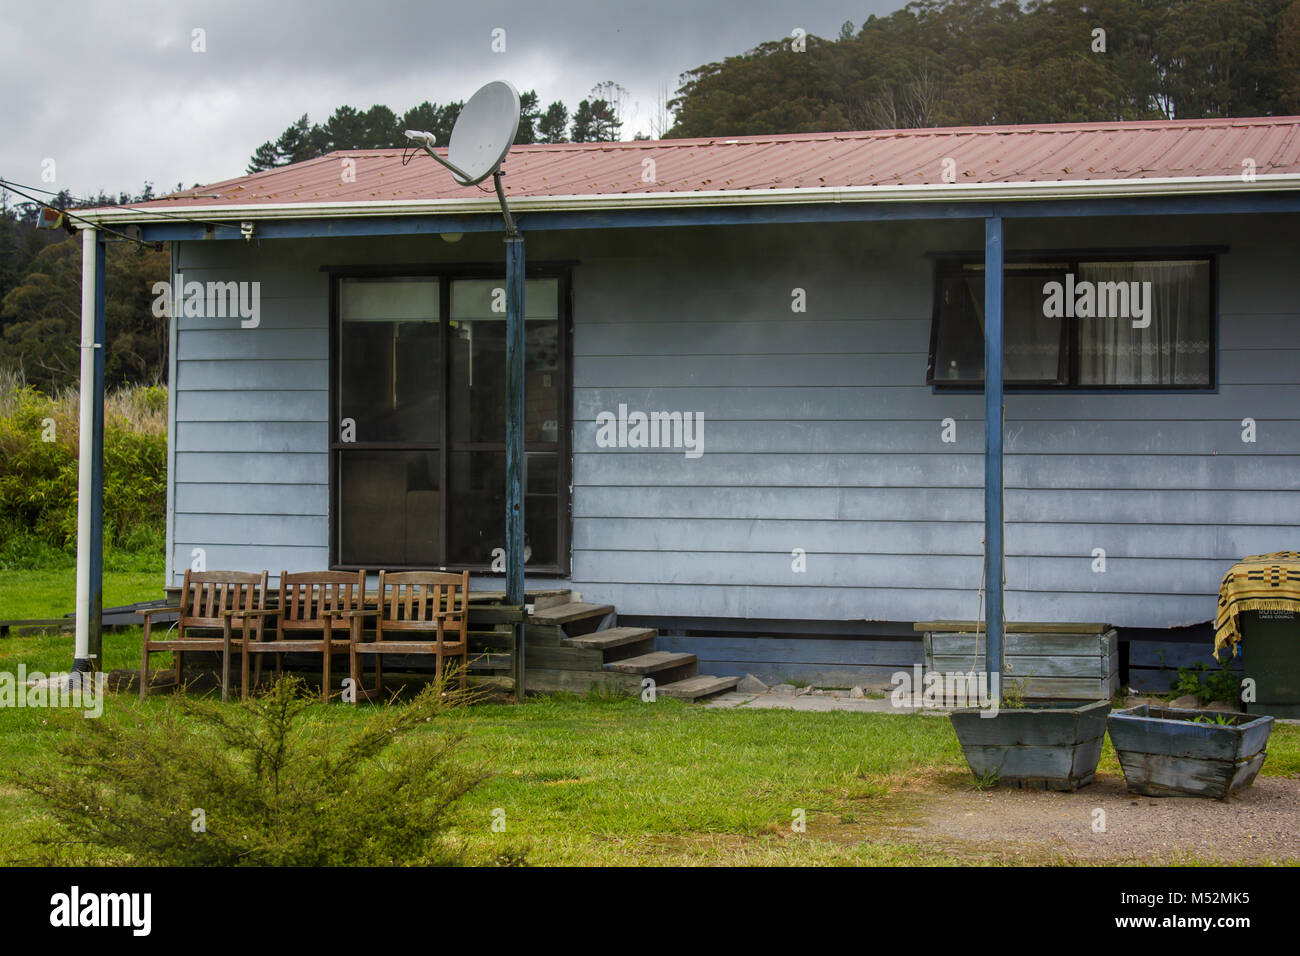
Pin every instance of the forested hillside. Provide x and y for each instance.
(979, 62)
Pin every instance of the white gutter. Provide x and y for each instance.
(934, 192)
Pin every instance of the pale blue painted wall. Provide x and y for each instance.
(819, 431)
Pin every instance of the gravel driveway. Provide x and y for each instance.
(1259, 824)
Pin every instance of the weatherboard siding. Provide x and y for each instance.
(819, 433)
(250, 469)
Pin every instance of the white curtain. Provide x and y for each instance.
(1173, 350)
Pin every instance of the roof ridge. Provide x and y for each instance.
(808, 136)
(1026, 153)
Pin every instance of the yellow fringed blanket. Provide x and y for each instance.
(1262, 582)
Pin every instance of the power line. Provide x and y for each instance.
(6, 184)
(9, 184)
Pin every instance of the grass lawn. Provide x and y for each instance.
(53, 593)
(615, 781)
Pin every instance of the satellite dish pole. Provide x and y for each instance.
(480, 141)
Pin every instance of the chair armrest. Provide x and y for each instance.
(360, 613)
(150, 611)
(256, 612)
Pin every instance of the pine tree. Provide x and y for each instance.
(265, 157)
(582, 123)
(553, 123)
(294, 144)
(528, 117)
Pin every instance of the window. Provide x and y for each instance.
(1078, 322)
(418, 474)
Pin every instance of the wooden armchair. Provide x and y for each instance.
(315, 616)
(210, 601)
(420, 612)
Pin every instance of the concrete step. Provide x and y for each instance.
(697, 687)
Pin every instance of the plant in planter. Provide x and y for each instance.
(1169, 752)
(1048, 746)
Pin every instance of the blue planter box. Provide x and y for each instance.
(1165, 753)
(1054, 747)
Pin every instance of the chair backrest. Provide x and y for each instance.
(205, 595)
(308, 598)
(414, 601)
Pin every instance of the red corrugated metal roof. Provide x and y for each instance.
(1051, 153)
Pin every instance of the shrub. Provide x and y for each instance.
(38, 476)
(1207, 685)
(274, 787)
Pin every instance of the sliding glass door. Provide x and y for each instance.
(419, 400)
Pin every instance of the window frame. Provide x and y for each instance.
(562, 447)
(947, 264)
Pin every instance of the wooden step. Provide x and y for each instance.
(568, 613)
(613, 637)
(653, 663)
(701, 685)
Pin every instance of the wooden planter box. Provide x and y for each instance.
(1165, 754)
(1046, 661)
(1035, 748)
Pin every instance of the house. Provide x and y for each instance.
(754, 407)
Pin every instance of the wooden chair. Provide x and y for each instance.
(210, 601)
(411, 604)
(315, 606)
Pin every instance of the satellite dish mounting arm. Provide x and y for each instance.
(512, 231)
(426, 140)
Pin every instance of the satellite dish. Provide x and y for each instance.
(484, 131)
(482, 136)
(480, 140)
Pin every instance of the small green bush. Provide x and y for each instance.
(1208, 685)
(194, 782)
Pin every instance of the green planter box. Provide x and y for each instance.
(1050, 747)
(1270, 654)
(1165, 753)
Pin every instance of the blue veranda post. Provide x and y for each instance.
(993, 255)
(515, 340)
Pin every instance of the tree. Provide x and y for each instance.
(40, 317)
(605, 122)
(553, 123)
(582, 123)
(614, 96)
(1288, 53)
(976, 62)
(264, 157)
(529, 115)
(294, 144)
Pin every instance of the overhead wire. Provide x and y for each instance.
(9, 184)
(11, 187)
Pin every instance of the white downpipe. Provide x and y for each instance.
(85, 444)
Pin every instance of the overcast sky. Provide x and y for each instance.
(114, 94)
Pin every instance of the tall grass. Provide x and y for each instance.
(38, 471)
(141, 409)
